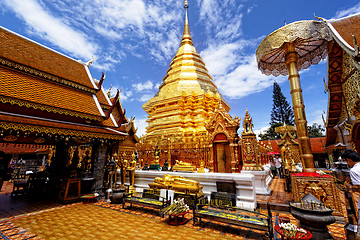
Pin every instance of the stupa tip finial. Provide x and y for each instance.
(186, 38)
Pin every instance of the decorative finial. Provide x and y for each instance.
(90, 62)
(109, 92)
(186, 38)
(326, 86)
(319, 18)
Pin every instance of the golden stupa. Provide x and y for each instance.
(186, 100)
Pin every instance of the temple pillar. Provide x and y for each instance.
(99, 151)
(291, 59)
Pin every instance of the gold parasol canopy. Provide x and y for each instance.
(310, 39)
(286, 51)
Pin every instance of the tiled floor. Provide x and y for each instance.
(25, 219)
(14, 206)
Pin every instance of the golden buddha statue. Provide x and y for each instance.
(131, 168)
(156, 155)
(178, 184)
(183, 166)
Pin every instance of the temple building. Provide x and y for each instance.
(51, 101)
(309, 42)
(297, 46)
(179, 112)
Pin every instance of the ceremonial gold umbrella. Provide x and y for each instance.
(286, 51)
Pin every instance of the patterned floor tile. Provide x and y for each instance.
(108, 221)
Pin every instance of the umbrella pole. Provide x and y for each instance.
(291, 59)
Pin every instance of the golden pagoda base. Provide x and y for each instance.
(322, 187)
(253, 168)
(184, 169)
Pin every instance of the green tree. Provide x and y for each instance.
(270, 133)
(316, 130)
(281, 113)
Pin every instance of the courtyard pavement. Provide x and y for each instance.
(24, 218)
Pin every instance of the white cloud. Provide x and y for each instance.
(260, 131)
(244, 80)
(144, 24)
(315, 117)
(125, 95)
(42, 23)
(219, 59)
(224, 24)
(139, 87)
(141, 124)
(347, 12)
(227, 57)
(146, 97)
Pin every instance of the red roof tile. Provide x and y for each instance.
(25, 87)
(317, 144)
(347, 26)
(28, 53)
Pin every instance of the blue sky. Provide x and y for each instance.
(134, 41)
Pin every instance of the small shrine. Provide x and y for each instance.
(289, 147)
(224, 142)
(250, 153)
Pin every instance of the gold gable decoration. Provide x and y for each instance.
(225, 157)
(248, 125)
(53, 131)
(289, 147)
(251, 150)
(48, 109)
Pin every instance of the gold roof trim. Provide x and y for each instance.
(49, 130)
(22, 103)
(47, 76)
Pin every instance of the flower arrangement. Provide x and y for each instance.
(177, 207)
(291, 231)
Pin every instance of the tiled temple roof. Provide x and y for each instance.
(317, 144)
(45, 94)
(23, 51)
(45, 82)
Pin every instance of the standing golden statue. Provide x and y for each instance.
(123, 167)
(131, 168)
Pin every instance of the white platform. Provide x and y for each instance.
(262, 180)
(244, 182)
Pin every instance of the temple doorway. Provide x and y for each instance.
(222, 154)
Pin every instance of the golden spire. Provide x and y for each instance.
(186, 38)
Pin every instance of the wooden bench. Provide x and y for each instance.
(148, 199)
(222, 208)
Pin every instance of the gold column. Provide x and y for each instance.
(291, 59)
